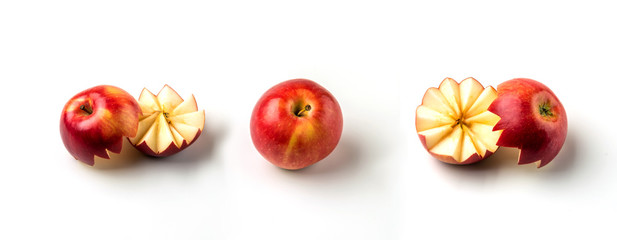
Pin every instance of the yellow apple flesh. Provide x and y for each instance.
(168, 123)
(453, 122)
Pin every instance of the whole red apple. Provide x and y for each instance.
(532, 119)
(96, 121)
(296, 123)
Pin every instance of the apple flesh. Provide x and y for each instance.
(453, 122)
(95, 121)
(532, 120)
(296, 123)
(168, 123)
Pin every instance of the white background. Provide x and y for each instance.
(377, 58)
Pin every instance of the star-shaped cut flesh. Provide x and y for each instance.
(168, 123)
(453, 122)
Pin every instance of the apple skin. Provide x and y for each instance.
(532, 119)
(114, 116)
(290, 141)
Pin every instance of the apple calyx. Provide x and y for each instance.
(545, 110)
(532, 120)
(453, 122)
(168, 123)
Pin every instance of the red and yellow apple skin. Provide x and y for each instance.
(96, 121)
(296, 123)
(532, 119)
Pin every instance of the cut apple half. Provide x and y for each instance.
(532, 119)
(453, 122)
(168, 123)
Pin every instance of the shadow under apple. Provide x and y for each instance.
(566, 159)
(479, 172)
(201, 149)
(128, 157)
(507, 159)
(149, 171)
(344, 158)
(501, 158)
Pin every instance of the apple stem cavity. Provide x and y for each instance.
(302, 111)
(86, 109)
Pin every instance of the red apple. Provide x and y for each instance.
(532, 119)
(168, 123)
(296, 123)
(95, 121)
(453, 122)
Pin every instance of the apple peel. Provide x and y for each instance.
(532, 120)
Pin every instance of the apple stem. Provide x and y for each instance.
(306, 109)
(85, 109)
